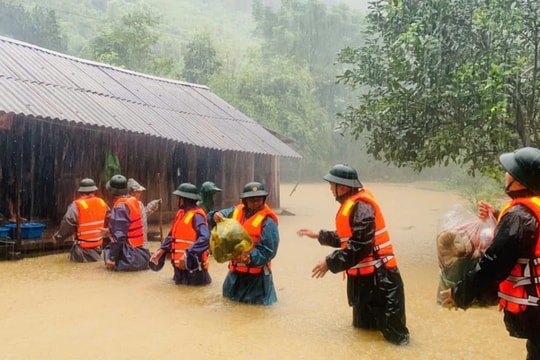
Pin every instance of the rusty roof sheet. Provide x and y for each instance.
(46, 84)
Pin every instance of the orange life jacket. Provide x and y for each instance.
(135, 233)
(184, 235)
(92, 211)
(383, 252)
(522, 287)
(253, 226)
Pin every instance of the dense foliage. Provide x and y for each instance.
(446, 81)
(440, 82)
(36, 25)
(290, 88)
(201, 59)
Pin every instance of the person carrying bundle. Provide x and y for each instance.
(513, 259)
(250, 279)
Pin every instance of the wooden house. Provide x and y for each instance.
(63, 119)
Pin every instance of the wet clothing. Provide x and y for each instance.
(377, 297)
(253, 287)
(207, 201)
(207, 191)
(197, 243)
(515, 238)
(92, 211)
(126, 230)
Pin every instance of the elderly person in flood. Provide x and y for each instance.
(135, 190)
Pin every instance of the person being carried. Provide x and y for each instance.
(250, 279)
(126, 252)
(374, 285)
(84, 220)
(135, 190)
(187, 242)
(513, 259)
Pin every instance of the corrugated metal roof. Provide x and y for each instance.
(45, 84)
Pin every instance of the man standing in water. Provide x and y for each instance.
(250, 279)
(126, 251)
(513, 259)
(85, 220)
(374, 285)
(187, 242)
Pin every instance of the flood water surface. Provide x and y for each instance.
(54, 309)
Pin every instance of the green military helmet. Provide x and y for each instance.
(188, 191)
(209, 187)
(117, 185)
(343, 174)
(253, 189)
(524, 166)
(87, 185)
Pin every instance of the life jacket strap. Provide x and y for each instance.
(522, 281)
(182, 241)
(91, 240)
(97, 222)
(381, 246)
(245, 269)
(529, 301)
(377, 263)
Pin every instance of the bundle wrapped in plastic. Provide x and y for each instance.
(229, 239)
(461, 241)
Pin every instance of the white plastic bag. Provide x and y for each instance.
(462, 239)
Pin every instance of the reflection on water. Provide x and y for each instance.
(53, 309)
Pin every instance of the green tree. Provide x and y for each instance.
(446, 81)
(279, 94)
(200, 59)
(37, 26)
(132, 43)
(129, 43)
(311, 34)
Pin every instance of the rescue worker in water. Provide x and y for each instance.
(513, 259)
(187, 242)
(250, 278)
(374, 285)
(85, 221)
(208, 193)
(126, 252)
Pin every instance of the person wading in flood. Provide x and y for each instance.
(187, 242)
(513, 258)
(126, 252)
(85, 221)
(208, 193)
(250, 279)
(374, 285)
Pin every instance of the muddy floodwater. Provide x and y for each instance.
(54, 309)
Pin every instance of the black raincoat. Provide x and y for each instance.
(515, 237)
(378, 300)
